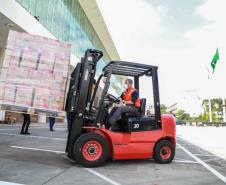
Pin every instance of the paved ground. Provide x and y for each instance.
(212, 139)
(40, 159)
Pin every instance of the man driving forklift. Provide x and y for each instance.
(139, 137)
(131, 103)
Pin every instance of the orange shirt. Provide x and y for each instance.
(127, 96)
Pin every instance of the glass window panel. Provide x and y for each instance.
(67, 21)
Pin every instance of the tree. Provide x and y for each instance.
(163, 109)
(182, 115)
(217, 109)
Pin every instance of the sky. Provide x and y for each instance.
(180, 37)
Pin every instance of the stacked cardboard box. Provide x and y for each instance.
(34, 72)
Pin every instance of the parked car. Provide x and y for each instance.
(180, 122)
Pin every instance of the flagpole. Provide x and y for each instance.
(213, 65)
(210, 111)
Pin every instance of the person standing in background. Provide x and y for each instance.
(26, 123)
(52, 118)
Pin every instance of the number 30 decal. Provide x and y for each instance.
(136, 125)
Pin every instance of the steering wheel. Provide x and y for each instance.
(113, 98)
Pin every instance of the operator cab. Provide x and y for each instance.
(96, 113)
(136, 121)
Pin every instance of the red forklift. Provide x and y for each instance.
(90, 142)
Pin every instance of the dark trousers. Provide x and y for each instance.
(117, 112)
(51, 122)
(26, 123)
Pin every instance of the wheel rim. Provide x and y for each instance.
(165, 152)
(92, 150)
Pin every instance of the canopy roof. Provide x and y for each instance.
(129, 68)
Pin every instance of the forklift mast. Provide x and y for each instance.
(79, 94)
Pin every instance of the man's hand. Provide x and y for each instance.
(128, 102)
(120, 104)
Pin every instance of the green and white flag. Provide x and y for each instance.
(213, 64)
(214, 60)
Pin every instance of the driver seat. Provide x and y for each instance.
(124, 121)
(142, 106)
(141, 110)
(137, 121)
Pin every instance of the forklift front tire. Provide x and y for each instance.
(90, 150)
(164, 152)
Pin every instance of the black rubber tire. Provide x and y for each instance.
(157, 150)
(77, 150)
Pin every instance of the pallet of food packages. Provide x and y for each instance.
(34, 73)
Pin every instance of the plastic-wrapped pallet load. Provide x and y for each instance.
(34, 73)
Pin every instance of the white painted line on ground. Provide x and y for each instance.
(30, 136)
(181, 159)
(185, 161)
(31, 128)
(8, 183)
(212, 170)
(176, 160)
(204, 155)
(5, 129)
(186, 144)
(61, 152)
(61, 129)
(102, 176)
(38, 149)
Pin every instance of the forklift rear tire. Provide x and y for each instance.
(164, 152)
(91, 150)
